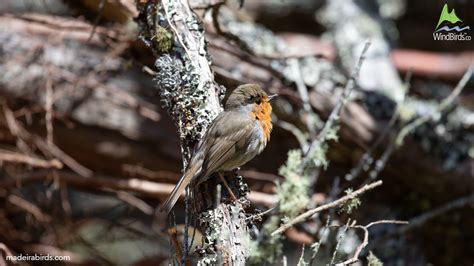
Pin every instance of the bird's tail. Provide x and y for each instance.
(178, 190)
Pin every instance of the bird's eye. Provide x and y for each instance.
(258, 101)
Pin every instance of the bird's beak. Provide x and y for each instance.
(270, 97)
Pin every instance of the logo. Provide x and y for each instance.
(450, 27)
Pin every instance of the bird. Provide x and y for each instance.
(233, 138)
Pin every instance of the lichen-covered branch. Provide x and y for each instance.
(184, 77)
(304, 216)
(192, 98)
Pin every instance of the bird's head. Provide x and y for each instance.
(247, 95)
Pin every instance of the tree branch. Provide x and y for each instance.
(302, 217)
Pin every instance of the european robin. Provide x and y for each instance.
(234, 137)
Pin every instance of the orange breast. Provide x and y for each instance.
(263, 113)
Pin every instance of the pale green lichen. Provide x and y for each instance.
(350, 205)
(293, 198)
(406, 112)
(332, 133)
(293, 192)
(318, 157)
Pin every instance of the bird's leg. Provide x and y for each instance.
(232, 195)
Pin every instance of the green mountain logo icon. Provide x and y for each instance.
(451, 17)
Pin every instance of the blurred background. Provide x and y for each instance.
(87, 151)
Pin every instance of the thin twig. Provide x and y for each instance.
(339, 240)
(260, 214)
(15, 157)
(365, 241)
(15, 130)
(135, 202)
(301, 261)
(386, 222)
(334, 204)
(381, 162)
(30, 208)
(338, 108)
(97, 19)
(49, 111)
(315, 246)
(367, 159)
(62, 156)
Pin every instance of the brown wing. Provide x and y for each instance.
(229, 134)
